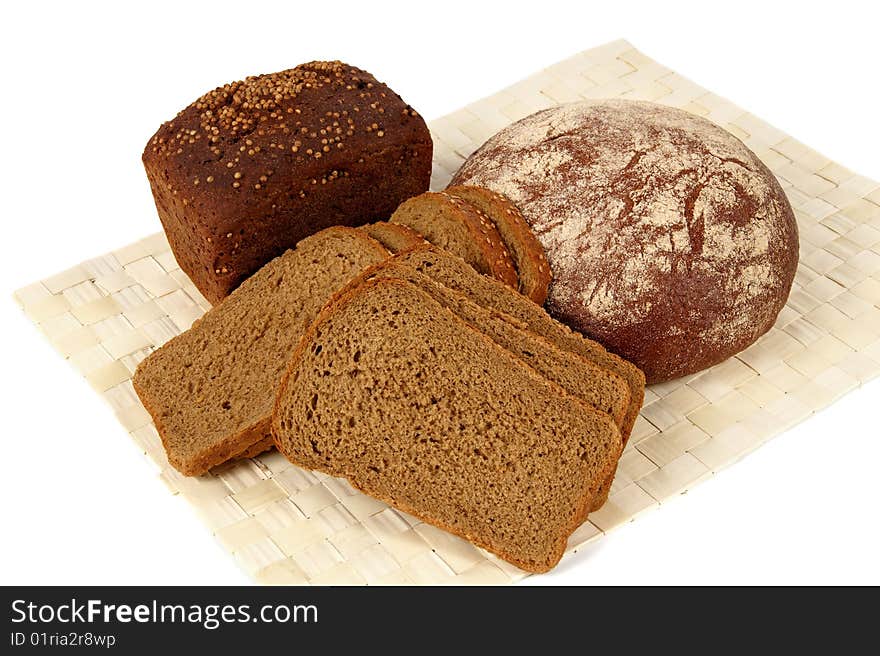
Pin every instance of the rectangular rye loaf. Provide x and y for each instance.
(394, 392)
(210, 390)
(252, 167)
(453, 272)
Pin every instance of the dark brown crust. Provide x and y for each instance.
(688, 247)
(496, 259)
(526, 251)
(338, 302)
(240, 445)
(221, 233)
(393, 236)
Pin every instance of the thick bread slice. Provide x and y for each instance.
(460, 228)
(394, 392)
(393, 236)
(600, 388)
(454, 273)
(210, 390)
(531, 264)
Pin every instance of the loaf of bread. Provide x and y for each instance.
(394, 392)
(670, 242)
(252, 167)
(455, 274)
(210, 389)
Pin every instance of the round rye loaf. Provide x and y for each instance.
(670, 242)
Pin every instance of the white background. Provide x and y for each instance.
(85, 85)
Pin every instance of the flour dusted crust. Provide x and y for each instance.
(669, 240)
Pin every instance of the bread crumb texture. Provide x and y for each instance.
(394, 392)
(210, 389)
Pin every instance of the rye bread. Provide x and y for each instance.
(671, 242)
(393, 236)
(527, 253)
(600, 388)
(210, 390)
(453, 273)
(249, 169)
(460, 228)
(394, 392)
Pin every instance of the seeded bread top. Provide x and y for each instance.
(241, 134)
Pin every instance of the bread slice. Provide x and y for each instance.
(531, 264)
(460, 228)
(600, 388)
(454, 273)
(393, 236)
(210, 390)
(394, 392)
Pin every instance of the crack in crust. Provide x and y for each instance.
(670, 241)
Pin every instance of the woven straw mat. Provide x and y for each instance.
(283, 524)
